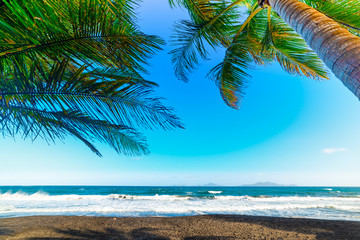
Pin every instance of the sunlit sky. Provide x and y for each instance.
(289, 130)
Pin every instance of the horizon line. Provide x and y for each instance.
(247, 185)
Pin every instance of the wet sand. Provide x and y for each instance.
(221, 227)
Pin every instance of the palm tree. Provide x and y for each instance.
(75, 68)
(263, 31)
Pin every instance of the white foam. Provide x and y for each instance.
(214, 192)
(20, 204)
(41, 196)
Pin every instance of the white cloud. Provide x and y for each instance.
(333, 150)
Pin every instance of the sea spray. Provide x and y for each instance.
(338, 203)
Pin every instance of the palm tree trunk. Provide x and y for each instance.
(336, 46)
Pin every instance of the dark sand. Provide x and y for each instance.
(222, 227)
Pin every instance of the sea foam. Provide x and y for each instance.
(215, 192)
(42, 203)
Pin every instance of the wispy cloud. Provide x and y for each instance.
(333, 150)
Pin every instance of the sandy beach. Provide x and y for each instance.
(187, 228)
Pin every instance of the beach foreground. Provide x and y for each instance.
(194, 227)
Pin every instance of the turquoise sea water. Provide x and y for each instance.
(342, 203)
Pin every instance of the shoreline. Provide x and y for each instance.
(203, 227)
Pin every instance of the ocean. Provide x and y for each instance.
(336, 203)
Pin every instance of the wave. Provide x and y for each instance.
(215, 192)
(43, 196)
(39, 203)
(166, 209)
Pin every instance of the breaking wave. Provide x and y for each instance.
(42, 203)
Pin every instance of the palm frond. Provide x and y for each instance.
(128, 76)
(192, 37)
(109, 98)
(231, 76)
(34, 123)
(191, 45)
(199, 10)
(291, 51)
(84, 31)
(117, 101)
(345, 12)
(260, 38)
(75, 68)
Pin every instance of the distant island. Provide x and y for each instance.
(268, 184)
(258, 184)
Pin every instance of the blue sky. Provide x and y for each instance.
(290, 130)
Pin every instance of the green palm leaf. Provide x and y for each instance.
(83, 99)
(291, 51)
(34, 123)
(84, 31)
(75, 68)
(344, 12)
(252, 36)
(231, 76)
(192, 37)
